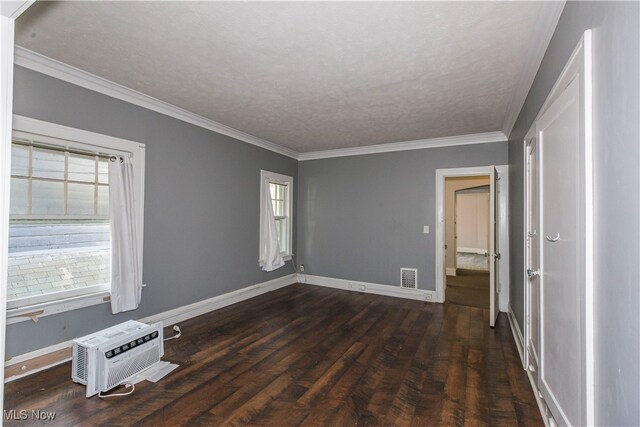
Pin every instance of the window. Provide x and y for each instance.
(57, 184)
(281, 189)
(59, 227)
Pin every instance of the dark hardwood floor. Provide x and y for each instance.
(306, 355)
(468, 287)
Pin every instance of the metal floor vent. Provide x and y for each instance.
(409, 278)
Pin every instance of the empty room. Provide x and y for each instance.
(320, 213)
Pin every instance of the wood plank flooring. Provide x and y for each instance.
(468, 287)
(306, 355)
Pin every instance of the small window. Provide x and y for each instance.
(281, 189)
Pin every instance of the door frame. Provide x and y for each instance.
(503, 227)
(526, 249)
(9, 12)
(456, 196)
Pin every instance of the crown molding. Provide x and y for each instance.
(13, 9)
(45, 65)
(545, 26)
(476, 138)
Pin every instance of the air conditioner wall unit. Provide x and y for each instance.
(108, 358)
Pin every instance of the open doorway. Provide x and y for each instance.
(467, 241)
(448, 259)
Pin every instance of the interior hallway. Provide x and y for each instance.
(468, 287)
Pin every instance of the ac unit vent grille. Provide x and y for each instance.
(80, 359)
(131, 366)
(409, 278)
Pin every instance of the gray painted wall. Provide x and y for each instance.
(361, 217)
(616, 71)
(201, 205)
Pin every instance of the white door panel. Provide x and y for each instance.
(559, 246)
(560, 370)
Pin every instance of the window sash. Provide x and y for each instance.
(281, 188)
(282, 225)
(78, 175)
(56, 296)
(279, 198)
(281, 206)
(25, 173)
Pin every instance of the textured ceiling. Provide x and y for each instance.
(308, 76)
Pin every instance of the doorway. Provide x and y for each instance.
(497, 240)
(467, 279)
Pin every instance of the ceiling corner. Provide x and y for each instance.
(544, 28)
(13, 9)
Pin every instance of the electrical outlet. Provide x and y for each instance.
(425, 229)
(301, 268)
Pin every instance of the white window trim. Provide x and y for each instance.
(71, 138)
(36, 311)
(45, 299)
(280, 179)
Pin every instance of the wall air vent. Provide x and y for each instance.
(409, 278)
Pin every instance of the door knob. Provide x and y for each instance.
(532, 273)
(553, 239)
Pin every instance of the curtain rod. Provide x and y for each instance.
(53, 147)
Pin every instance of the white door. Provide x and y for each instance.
(532, 255)
(561, 360)
(494, 253)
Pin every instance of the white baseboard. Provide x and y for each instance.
(185, 312)
(37, 353)
(451, 271)
(478, 251)
(26, 358)
(517, 334)
(370, 288)
(168, 318)
(518, 338)
(541, 405)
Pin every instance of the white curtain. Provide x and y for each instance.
(126, 277)
(270, 257)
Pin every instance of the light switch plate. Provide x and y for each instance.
(426, 229)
